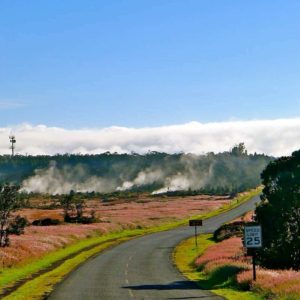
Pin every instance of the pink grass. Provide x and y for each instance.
(271, 283)
(38, 241)
(282, 283)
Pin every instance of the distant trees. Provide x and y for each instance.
(9, 202)
(279, 213)
(228, 172)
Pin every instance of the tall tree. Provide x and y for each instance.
(239, 149)
(279, 213)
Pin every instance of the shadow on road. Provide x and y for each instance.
(177, 285)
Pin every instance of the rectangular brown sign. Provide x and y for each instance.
(195, 222)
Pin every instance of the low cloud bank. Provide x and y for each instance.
(272, 137)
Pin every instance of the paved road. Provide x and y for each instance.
(140, 268)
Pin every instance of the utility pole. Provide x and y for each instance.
(12, 140)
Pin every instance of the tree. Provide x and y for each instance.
(239, 150)
(279, 213)
(79, 206)
(72, 203)
(9, 202)
(66, 203)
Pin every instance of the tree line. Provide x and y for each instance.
(227, 172)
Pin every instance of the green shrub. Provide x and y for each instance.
(17, 225)
(227, 231)
(45, 222)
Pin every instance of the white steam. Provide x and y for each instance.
(54, 180)
(143, 178)
(191, 178)
(61, 181)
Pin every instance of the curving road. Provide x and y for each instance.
(141, 268)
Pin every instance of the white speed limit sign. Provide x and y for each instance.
(252, 236)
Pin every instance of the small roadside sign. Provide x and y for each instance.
(195, 222)
(252, 236)
(253, 240)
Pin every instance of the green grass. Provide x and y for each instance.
(9, 276)
(185, 253)
(39, 287)
(220, 282)
(36, 288)
(235, 202)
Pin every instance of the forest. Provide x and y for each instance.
(227, 172)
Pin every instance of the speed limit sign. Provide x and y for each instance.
(252, 236)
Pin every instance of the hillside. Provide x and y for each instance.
(227, 172)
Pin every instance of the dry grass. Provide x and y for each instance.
(114, 216)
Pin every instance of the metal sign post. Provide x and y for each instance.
(195, 223)
(254, 265)
(252, 241)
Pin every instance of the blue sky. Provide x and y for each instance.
(93, 64)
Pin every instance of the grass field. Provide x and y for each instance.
(143, 211)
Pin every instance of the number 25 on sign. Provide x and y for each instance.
(252, 241)
(252, 236)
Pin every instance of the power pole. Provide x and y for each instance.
(12, 140)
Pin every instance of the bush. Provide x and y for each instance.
(81, 220)
(17, 225)
(227, 231)
(86, 220)
(45, 222)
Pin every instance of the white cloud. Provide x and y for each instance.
(274, 137)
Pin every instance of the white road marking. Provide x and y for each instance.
(126, 278)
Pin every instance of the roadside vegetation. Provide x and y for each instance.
(221, 263)
(37, 277)
(223, 268)
(217, 269)
(279, 214)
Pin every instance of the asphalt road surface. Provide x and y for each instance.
(141, 268)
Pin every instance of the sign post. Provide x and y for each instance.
(195, 223)
(252, 241)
